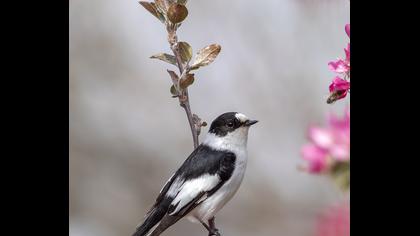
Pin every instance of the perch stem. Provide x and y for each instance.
(184, 100)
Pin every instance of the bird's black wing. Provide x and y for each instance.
(201, 174)
(204, 171)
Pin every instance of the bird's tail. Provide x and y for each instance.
(151, 219)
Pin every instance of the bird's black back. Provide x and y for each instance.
(205, 160)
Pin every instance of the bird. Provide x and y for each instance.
(205, 181)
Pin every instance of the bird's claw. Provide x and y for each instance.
(214, 233)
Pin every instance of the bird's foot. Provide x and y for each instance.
(214, 232)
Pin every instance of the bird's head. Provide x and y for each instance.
(230, 122)
(230, 128)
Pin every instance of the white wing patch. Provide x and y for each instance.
(175, 187)
(191, 188)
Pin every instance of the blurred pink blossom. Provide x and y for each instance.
(340, 149)
(327, 144)
(316, 158)
(335, 221)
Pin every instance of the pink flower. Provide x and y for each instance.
(340, 129)
(328, 144)
(340, 124)
(340, 85)
(316, 158)
(347, 51)
(338, 89)
(335, 221)
(347, 29)
(321, 137)
(339, 66)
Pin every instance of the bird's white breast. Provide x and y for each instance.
(236, 143)
(215, 202)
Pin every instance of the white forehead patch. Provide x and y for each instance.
(241, 117)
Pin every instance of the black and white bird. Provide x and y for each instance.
(206, 180)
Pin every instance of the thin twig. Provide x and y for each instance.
(184, 100)
(187, 108)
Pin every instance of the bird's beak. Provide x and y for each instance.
(250, 122)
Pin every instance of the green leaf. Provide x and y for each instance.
(340, 167)
(189, 79)
(341, 175)
(182, 2)
(173, 90)
(165, 57)
(185, 51)
(151, 7)
(205, 56)
(177, 13)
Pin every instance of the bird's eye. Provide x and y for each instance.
(230, 124)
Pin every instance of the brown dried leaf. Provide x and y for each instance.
(205, 56)
(174, 76)
(177, 13)
(163, 5)
(165, 57)
(151, 7)
(187, 81)
(185, 51)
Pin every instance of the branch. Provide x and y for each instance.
(184, 100)
(171, 13)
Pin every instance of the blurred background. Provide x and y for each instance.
(127, 135)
